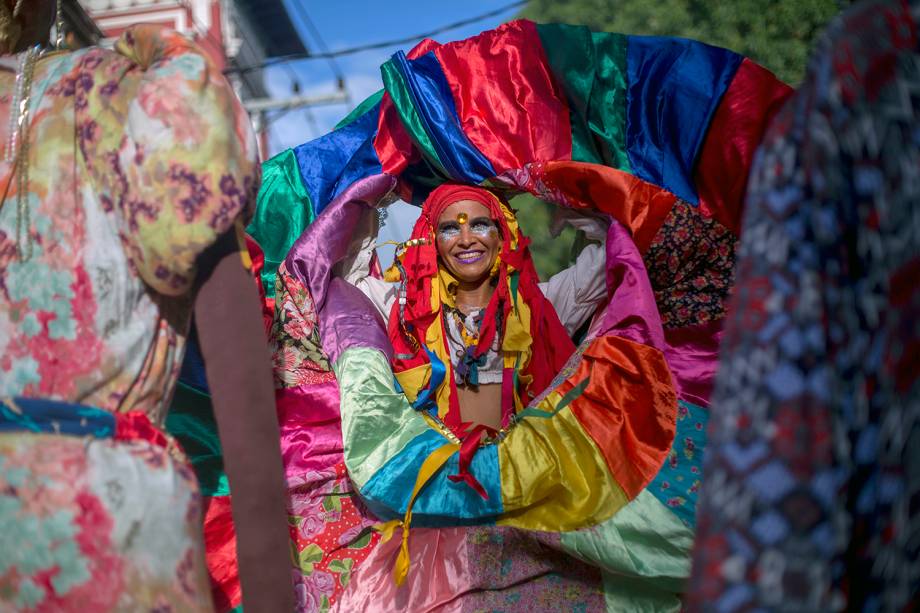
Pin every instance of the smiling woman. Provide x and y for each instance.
(535, 473)
(496, 321)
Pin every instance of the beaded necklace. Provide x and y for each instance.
(18, 149)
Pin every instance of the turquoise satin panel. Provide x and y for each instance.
(283, 211)
(592, 68)
(370, 406)
(368, 103)
(191, 421)
(441, 502)
(678, 482)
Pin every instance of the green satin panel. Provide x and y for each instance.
(643, 552)
(361, 109)
(191, 422)
(283, 211)
(591, 66)
(370, 408)
(408, 115)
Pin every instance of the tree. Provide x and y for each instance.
(775, 33)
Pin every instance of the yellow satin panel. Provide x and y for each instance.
(569, 483)
(414, 380)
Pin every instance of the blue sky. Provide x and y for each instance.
(349, 23)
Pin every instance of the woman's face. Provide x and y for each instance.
(468, 240)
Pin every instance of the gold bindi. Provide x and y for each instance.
(462, 218)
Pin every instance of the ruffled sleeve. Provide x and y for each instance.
(577, 291)
(171, 150)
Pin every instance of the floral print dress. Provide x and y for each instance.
(139, 159)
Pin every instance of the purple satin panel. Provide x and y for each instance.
(693, 356)
(311, 427)
(325, 242)
(349, 319)
(631, 312)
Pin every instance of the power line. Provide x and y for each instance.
(304, 16)
(371, 46)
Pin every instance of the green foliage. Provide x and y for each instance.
(775, 33)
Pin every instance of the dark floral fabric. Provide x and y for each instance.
(689, 264)
(812, 492)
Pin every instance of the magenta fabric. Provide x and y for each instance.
(631, 311)
(311, 432)
(692, 355)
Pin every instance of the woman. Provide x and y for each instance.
(584, 497)
(124, 176)
(471, 236)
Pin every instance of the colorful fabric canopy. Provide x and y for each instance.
(604, 464)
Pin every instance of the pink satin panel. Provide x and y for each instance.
(512, 121)
(692, 354)
(631, 311)
(481, 568)
(311, 433)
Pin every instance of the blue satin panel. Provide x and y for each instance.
(55, 417)
(677, 483)
(674, 88)
(329, 164)
(434, 103)
(441, 502)
(425, 400)
(193, 371)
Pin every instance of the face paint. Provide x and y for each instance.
(448, 231)
(483, 227)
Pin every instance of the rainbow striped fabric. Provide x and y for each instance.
(659, 134)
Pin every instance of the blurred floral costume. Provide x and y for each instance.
(133, 170)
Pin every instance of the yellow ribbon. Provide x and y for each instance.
(241, 243)
(430, 466)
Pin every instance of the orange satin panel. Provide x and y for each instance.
(629, 408)
(637, 204)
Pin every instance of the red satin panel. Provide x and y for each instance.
(736, 130)
(392, 143)
(637, 204)
(136, 426)
(220, 543)
(511, 121)
(629, 408)
(258, 263)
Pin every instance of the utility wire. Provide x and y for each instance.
(320, 43)
(371, 46)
